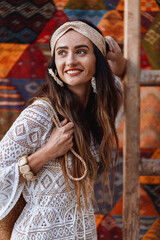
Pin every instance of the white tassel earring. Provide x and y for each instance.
(58, 81)
(93, 83)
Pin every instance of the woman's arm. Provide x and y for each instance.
(115, 57)
(57, 145)
(32, 134)
(26, 135)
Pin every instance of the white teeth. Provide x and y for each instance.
(73, 71)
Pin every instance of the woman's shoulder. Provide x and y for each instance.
(40, 102)
(42, 105)
(38, 112)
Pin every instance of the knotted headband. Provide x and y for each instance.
(82, 28)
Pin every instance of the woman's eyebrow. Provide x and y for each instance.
(78, 46)
(62, 47)
(81, 46)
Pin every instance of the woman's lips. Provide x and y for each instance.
(73, 72)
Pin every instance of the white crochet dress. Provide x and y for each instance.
(48, 213)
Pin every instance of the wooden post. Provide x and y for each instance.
(149, 167)
(150, 78)
(131, 147)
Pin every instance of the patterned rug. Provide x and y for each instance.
(109, 219)
(25, 30)
(22, 21)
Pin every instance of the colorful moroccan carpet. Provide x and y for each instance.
(25, 30)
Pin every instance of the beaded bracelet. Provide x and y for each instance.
(25, 169)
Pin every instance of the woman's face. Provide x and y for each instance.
(75, 60)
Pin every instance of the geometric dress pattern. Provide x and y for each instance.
(25, 30)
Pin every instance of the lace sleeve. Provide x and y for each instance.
(28, 133)
(119, 85)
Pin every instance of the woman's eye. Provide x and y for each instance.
(62, 52)
(81, 51)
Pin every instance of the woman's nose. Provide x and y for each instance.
(71, 59)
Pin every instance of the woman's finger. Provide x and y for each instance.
(64, 122)
(69, 126)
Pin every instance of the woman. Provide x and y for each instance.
(86, 97)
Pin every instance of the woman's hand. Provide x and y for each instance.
(115, 57)
(114, 49)
(60, 140)
(58, 144)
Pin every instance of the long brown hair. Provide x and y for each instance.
(97, 118)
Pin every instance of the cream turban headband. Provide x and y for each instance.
(82, 28)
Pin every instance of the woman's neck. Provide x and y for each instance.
(82, 93)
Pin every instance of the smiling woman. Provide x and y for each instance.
(76, 63)
(55, 165)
